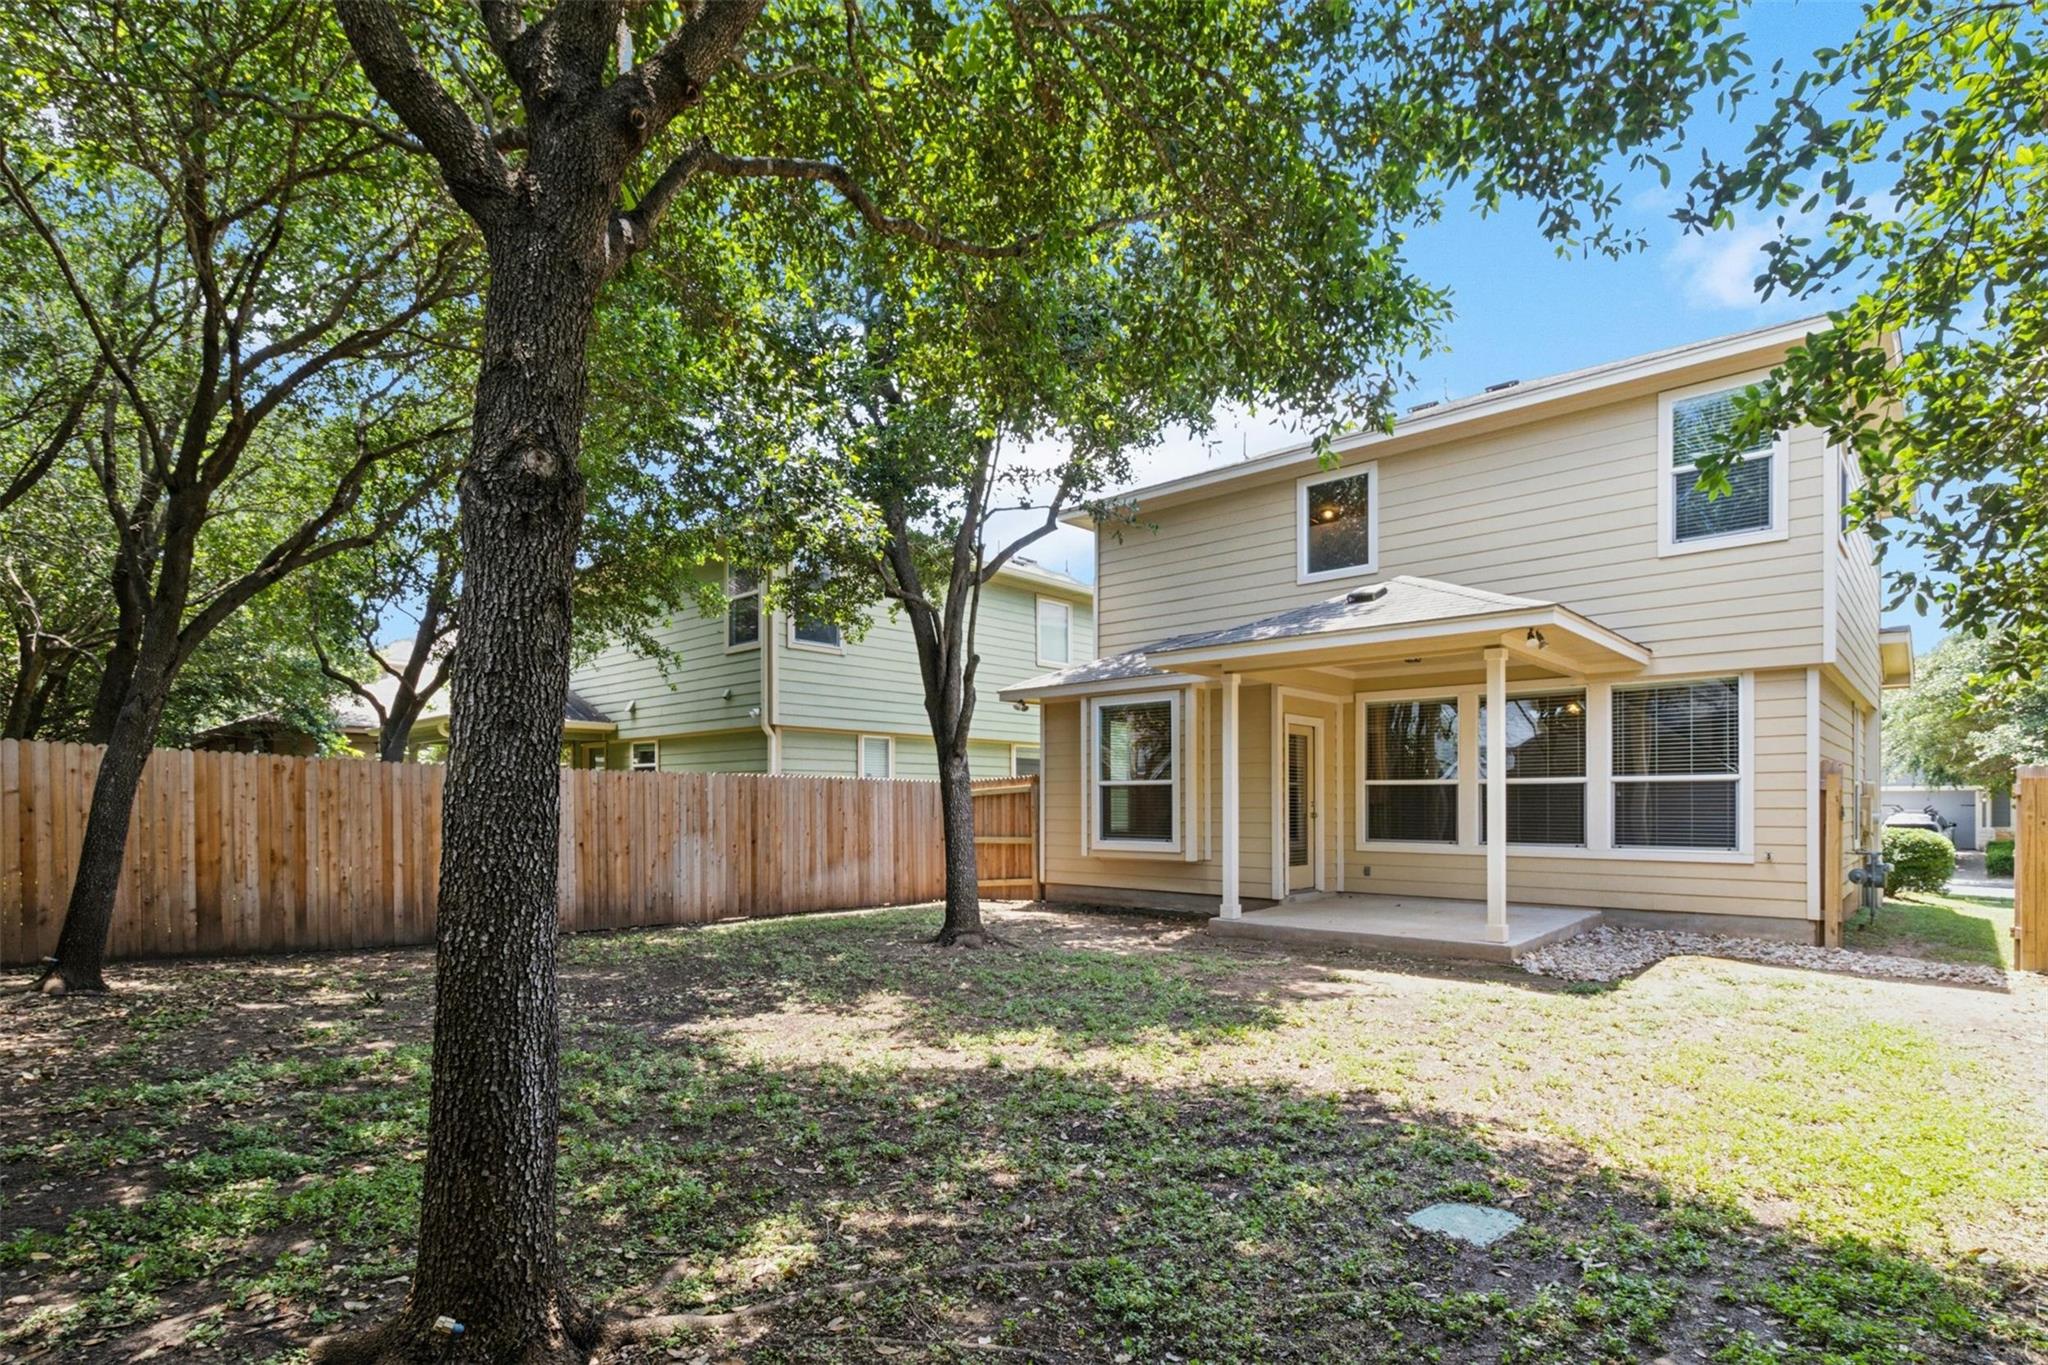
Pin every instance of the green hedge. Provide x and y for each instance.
(1998, 857)
(1921, 860)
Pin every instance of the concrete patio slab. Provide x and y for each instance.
(1422, 925)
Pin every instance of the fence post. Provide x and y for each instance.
(1829, 845)
(2030, 869)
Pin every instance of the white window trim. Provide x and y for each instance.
(1366, 843)
(1599, 774)
(1371, 470)
(1015, 753)
(813, 645)
(725, 619)
(1092, 751)
(633, 748)
(1584, 780)
(1744, 779)
(1780, 451)
(1038, 630)
(860, 751)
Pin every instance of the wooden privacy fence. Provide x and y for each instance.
(2030, 870)
(257, 853)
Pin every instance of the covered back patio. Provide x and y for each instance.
(1272, 720)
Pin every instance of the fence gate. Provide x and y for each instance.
(2030, 870)
(1835, 906)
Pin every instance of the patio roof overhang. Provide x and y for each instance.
(1394, 625)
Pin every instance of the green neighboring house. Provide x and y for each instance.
(755, 692)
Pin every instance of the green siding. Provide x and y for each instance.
(833, 754)
(875, 687)
(813, 753)
(644, 699)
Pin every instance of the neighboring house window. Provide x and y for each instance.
(1678, 764)
(817, 634)
(593, 757)
(1055, 631)
(1845, 488)
(646, 757)
(1693, 425)
(1024, 760)
(1337, 524)
(877, 756)
(1411, 771)
(743, 616)
(1546, 743)
(1136, 782)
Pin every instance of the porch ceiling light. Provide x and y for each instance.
(1535, 637)
(1327, 513)
(1573, 707)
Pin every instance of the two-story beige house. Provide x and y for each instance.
(1301, 663)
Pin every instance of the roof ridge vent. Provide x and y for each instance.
(1504, 386)
(1372, 592)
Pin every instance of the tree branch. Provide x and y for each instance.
(476, 172)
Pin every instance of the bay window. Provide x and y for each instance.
(1678, 765)
(1411, 771)
(1137, 782)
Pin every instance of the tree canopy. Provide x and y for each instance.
(1906, 168)
(1944, 731)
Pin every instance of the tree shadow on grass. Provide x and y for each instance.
(1070, 979)
(965, 1203)
(1933, 927)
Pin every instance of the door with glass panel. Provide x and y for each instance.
(1301, 808)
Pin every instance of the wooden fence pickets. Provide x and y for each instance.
(256, 853)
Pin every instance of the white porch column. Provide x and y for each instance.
(1497, 795)
(1232, 908)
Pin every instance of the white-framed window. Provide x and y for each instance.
(1678, 765)
(1055, 632)
(1137, 772)
(1691, 423)
(877, 756)
(645, 756)
(1024, 760)
(1410, 770)
(1546, 776)
(743, 609)
(1337, 524)
(816, 635)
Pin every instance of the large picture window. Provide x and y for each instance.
(1411, 771)
(1337, 528)
(1136, 775)
(1546, 744)
(1695, 426)
(1678, 765)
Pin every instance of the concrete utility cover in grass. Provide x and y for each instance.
(1474, 1223)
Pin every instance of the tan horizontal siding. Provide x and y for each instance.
(1562, 510)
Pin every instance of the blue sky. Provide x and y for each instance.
(1522, 311)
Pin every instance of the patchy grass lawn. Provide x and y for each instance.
(1116, 1140)
(1945, 927)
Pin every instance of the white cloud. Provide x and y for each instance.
(1719, 270)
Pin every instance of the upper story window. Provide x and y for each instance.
(1693, 423)
(1137, 784)
(1055, 631)
(743, 615)
(1411, 771)
(1337, 533)
(816, 634)
(1678, 765)
(1546, 744)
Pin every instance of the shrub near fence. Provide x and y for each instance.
(252, 853)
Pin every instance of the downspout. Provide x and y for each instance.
(768, 682)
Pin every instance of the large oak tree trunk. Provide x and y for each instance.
(962, 926)
(80, 961)
(489, 1256)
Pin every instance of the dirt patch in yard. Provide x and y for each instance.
(1117, 1139)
